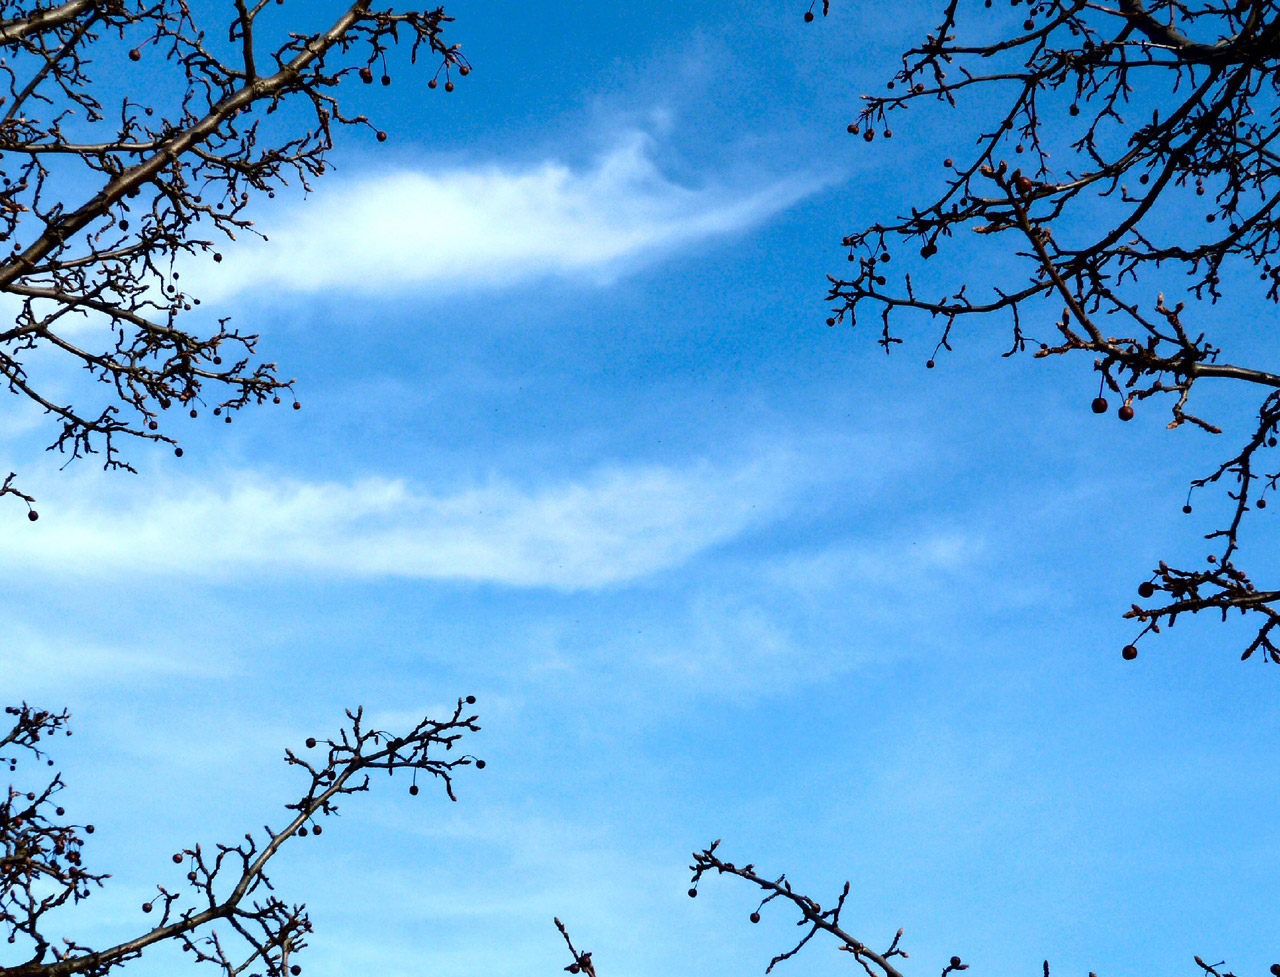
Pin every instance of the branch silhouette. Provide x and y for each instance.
(42, 865)
(96, 202)
(1142, 147)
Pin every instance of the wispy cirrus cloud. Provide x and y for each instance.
(491, 225)
(615, 525)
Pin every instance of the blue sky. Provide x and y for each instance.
(576, 440)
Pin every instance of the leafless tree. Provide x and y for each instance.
(97, 199)
(1191, 186)
(1106, 148)
(42, 868)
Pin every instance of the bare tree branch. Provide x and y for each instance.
(166, 176)
(41, 866)
(1170, 94)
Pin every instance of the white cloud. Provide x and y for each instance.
(619, 524)
(901, 564)
(490, 225)
(459, 228)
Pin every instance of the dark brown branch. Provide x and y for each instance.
(33, 840)
(1160, 105)
(161, 185)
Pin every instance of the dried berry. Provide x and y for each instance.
(1099, 405)
(1146, 588)
(1129, 653)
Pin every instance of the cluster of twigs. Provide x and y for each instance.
(1163, 112)
(41, 864)
(161, 179)
(814, 920)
